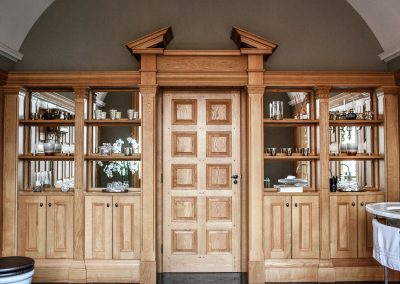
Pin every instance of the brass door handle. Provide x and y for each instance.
(353, 204)
(295, 205)
(49, 204)
(41, 204)
(108, 205)
(116, 204)
(362, 204)
(287, 204)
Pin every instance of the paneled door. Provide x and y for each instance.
(201, 197)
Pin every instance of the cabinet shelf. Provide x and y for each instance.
(356, 158)
(95, 157)
(291, 158)
(44, 122)
(55, 192)
(46, 158)
(290, 122)
(355, 122)
(115, 122)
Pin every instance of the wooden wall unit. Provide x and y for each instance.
(280, 241)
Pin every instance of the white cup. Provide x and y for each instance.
(118, 115)
(113, 113)
(130, 113)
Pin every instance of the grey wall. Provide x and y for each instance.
(6, 64)
(394, 65)
(91, 34)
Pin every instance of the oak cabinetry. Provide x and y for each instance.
(351, 226)
(45, 226)
(291, 226)
(112, 227)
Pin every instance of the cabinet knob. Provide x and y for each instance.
(362, 204)
(116, 204)
(287, 204)
(49, 204)
(353, 204)
(41, 204)
(108, 205)
(295, 205)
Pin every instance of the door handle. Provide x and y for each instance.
(116, 204)
(235, 179)
(49, 204)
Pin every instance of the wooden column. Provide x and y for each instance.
(391, 117)
(256, 268)
(326, 271)
(148, 91)
(10, 173)
(77, 271)
(148, 214)
(3, 79)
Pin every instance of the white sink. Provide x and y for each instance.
(385, 209)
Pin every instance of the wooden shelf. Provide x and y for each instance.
(290, 122)
(356, 122)
(46, 158)
(95, 157)
(115, 122)
(356, 158)
(290, 158)
(43, 122)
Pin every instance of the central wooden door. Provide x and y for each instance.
(201, 199)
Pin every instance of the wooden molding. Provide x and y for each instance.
(251, 90)
(11, 90)
(151, 43)
(250, 43)
(70, 79)
(390, 90)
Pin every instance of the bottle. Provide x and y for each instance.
(333, 184)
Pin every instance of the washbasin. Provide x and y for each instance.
(385, 209)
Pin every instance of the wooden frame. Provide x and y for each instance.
(244, 69)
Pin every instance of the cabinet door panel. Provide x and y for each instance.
(126, 227)
(60, 226)
(32, 226)
(305, 227)
(343, 226)
(277, 226)
(365, 233)
(98, 227)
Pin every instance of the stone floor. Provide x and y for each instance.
(218, 278)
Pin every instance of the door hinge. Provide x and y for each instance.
(162, 248)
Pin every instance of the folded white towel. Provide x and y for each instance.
(386, 245)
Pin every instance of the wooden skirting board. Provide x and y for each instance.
(313, 270)
(74, 271)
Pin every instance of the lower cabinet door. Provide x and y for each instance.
(305, 227)
(126, 227)
(60, 227)
(98, 227)
(32, 226)
(343, 212)
(277, 226)
(365, 232)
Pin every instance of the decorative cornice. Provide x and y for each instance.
(255, 89)
(323, 92)
(389, 90)
(151, 43)
(148, 89)
(56, 99)
(390, 54)
(250, 43)
(12, 90)
(10, 53)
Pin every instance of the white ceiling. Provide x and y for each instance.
(16, 19)
(18, 16)
(383, 18)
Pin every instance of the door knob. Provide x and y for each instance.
(41, 204)
(235, 179)
(49, 204)
(108, 204)
(116, 204)
(287, 204)
(353, 204)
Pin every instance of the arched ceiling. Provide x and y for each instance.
(18, 16)
(383, 18)
(16, 19)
